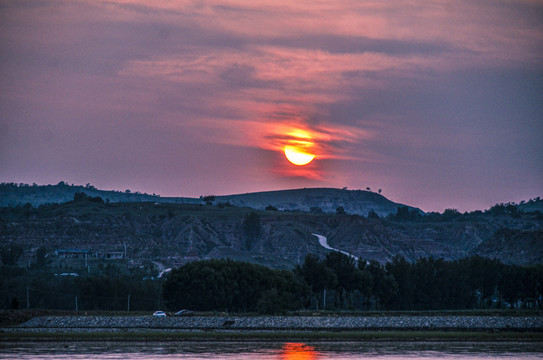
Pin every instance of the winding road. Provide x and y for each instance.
(324, 244)
(161, 269)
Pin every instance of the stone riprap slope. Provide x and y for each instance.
(323, 323)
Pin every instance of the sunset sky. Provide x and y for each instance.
(437, 103)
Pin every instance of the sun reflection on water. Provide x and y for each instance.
(298, 351)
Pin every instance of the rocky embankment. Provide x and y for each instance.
(303, 323)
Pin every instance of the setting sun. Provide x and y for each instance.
(297, 155)
(299, 149)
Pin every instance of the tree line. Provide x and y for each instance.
(37, 288)
(338, 282)
(226, 285)
(405, 214)
(427, 284)
(335, 282)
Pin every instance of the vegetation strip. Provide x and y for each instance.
(157, 335)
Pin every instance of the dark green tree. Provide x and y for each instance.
(251, 228)
(236, 286)
(385, 287)
(402, 271)
(364, 283)
(318, 276)
(14, 303)
(345, 270)
(208, 199)
(10, 254)
(41, 258)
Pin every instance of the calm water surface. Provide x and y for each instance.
(270, 350)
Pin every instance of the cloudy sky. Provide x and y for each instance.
(438, 103)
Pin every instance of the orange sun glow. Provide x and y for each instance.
(297, 155)
(298, 150)
(298, 351)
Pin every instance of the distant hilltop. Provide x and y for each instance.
(315, 200)
(12, 194)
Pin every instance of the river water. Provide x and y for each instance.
(253, 350)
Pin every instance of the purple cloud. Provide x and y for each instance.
(437, 104)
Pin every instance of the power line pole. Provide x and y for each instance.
(76, 307)
(27, 299)
(128, 303)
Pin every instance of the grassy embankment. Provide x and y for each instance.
(393, 335)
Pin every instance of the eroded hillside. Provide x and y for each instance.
(173, 234)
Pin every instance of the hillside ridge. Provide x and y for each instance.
(326, 200)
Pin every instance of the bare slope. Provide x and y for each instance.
(173, 234)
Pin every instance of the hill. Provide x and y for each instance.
(166, 234)
(12, 194)
(326, 200)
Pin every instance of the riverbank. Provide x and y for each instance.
(400, 327)
(300, 336)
